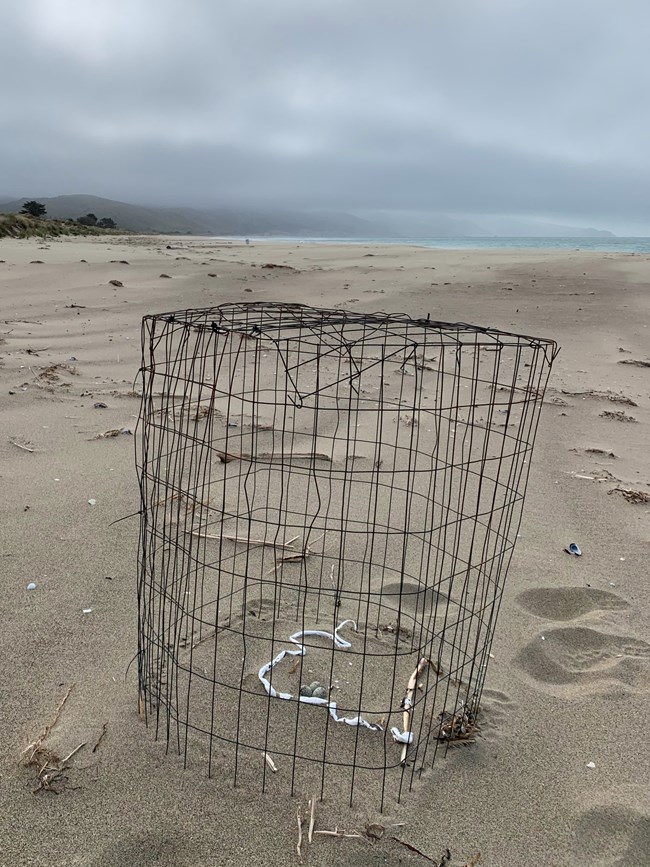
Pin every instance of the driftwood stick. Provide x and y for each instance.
(316, 456)
(301, 555)
(312, 818)
(242, 540)
(271, 457)
(299, 843)
(407, 704)
(21, 446)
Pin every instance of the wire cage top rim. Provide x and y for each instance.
(287, 321)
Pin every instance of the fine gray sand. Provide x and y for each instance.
(569, 682)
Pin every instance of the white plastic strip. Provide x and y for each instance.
(401, 737)
(296, 639)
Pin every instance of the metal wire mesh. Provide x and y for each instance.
(303, 468)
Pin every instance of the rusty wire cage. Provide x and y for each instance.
(330, 503)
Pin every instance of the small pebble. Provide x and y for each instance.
(87, 610)
(31, 586)
(591, 765)
(92, 502)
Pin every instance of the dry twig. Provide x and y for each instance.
(271, 457)
(21, 446)
(446, 855)
(100, 738)
(48, 728)
(244, 541)
(300, 555)
(299, 843)
(312, 818)
(407, 702)
(49, 766)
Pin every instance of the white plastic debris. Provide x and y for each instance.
(92, 502)
(401, 737)
(340, 643)
(31, 586)
(591, 765)
(87, 610)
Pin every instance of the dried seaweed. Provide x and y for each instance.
(635, 497)
(459, 727)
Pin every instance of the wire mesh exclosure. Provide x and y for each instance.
(301, 468)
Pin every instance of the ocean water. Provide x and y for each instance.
(598, 245)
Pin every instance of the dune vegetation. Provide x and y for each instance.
(25, 226)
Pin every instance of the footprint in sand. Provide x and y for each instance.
(495, 714)
(262, 609)
(573, 659)
(142, 849)
(612, 836)
(410, 595)
(568, 603)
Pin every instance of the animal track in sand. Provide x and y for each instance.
(568, 603)
(580, 657)
(612, 836)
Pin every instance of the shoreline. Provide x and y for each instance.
(625, 245)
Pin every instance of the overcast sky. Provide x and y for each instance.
(529, 107)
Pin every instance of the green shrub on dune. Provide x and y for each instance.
(26, 226)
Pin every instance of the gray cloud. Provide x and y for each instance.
(531, 107)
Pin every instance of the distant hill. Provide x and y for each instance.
(423, 224)
(258, 222)
(218, 221)
(515, 227)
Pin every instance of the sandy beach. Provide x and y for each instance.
(559, 772)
